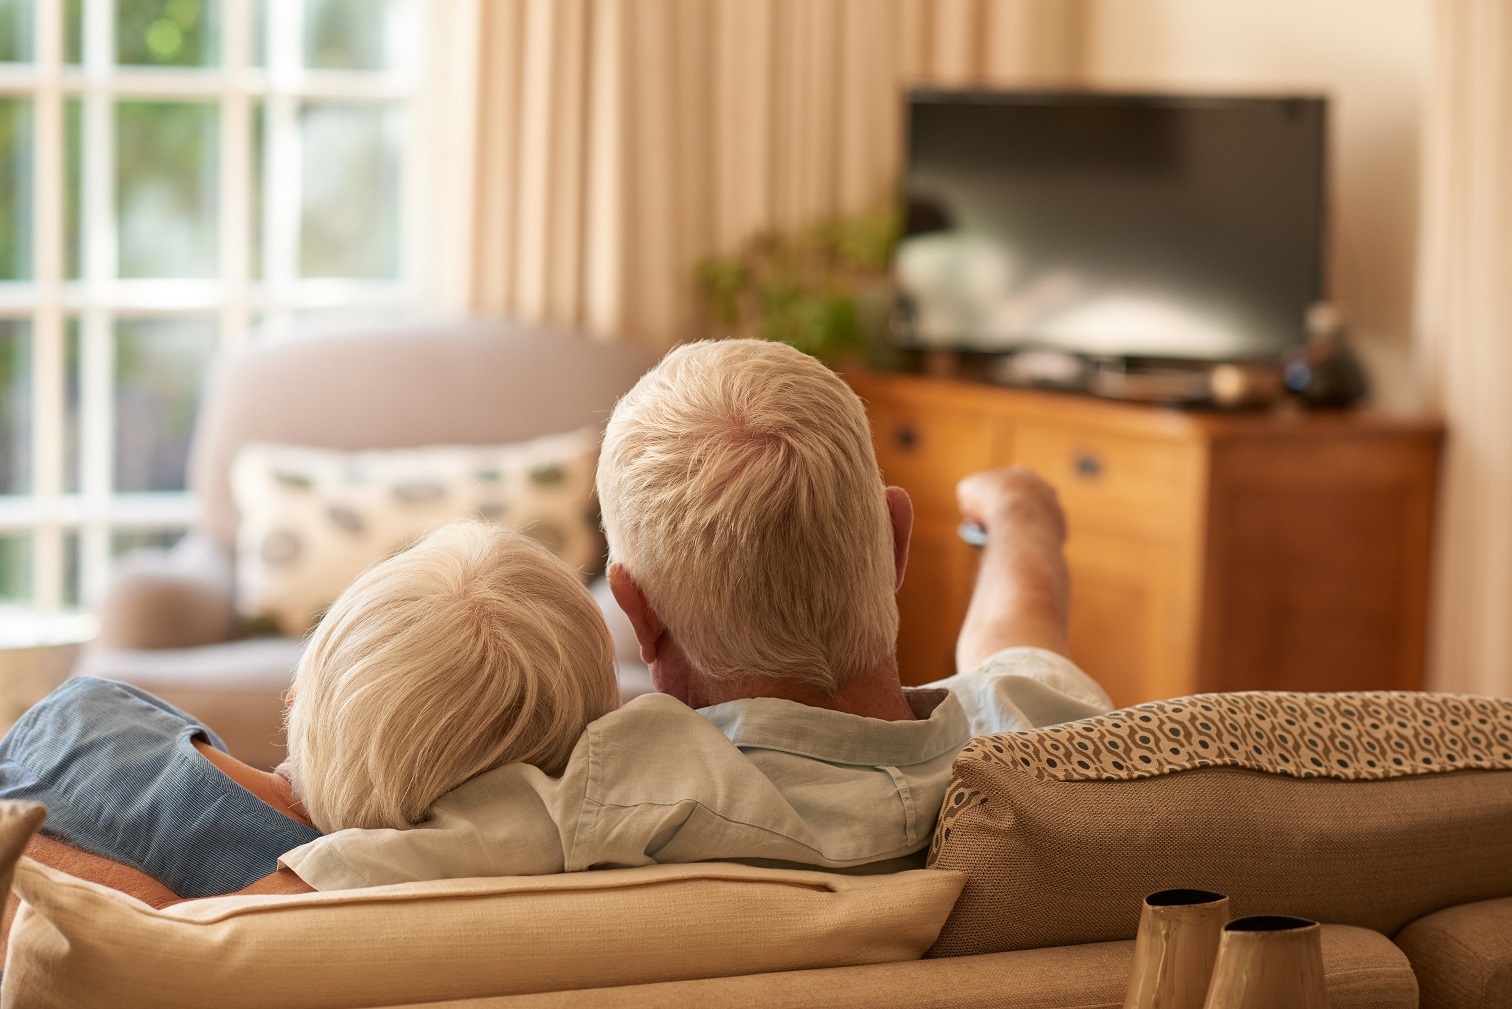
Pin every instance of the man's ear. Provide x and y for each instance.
(900, 512)
(648, 626)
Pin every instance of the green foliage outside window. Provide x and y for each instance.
(347, 34)
(15, 567)
(168, 33)
(16, 31)
(15, 406)
(167, 189)
(15, 188)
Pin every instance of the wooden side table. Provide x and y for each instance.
(36, 654)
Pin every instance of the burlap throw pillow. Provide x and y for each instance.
(312, 519)
(1367, 809)
(81, 946)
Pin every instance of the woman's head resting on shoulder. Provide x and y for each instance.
(474, 648)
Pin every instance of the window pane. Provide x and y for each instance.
(350, 213)
(167, 188)
(123, 541)
(16, 34)
(15, 407)
(168, 33)
(256, 174)
(15, 188)
(160, 366)
(15, 567)
(73, 188)
(259, 33)
(73, 568)
(354, 34)
(72, 386)
(73, 31)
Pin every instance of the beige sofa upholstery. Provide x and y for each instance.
(1363, 971)
(1409, 869)
(168, 620)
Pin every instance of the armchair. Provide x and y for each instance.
(168, 620)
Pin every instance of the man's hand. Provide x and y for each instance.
(1015, 499)
(1022, 594)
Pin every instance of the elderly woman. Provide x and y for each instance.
(474, 648)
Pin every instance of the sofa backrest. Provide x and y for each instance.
(78, 945)
(1368, 809)
(398, 387)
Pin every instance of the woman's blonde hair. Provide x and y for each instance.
(740, 490)
(474, 648)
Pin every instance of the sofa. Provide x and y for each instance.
(1384, 815)
(170, 620)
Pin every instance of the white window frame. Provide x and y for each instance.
(100, 299)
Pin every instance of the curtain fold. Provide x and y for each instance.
(621, 140)
(1465, 333)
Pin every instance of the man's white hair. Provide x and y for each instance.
(740, 490)
(474, 648)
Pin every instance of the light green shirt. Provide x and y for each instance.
(762, 780)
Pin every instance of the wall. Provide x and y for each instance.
(1372, 58)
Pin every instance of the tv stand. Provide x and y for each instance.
(1272, 549)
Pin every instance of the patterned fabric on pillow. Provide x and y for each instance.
(1348, 736)
(313, 519)
(1366, 809)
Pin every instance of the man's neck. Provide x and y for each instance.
(873, 694)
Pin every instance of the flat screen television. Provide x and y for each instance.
(1134, 226)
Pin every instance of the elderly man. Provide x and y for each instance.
(757, 553)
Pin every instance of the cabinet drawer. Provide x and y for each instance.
(1140, 486)
(928, 451)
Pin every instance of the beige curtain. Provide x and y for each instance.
(1466, 333)
(621, 140)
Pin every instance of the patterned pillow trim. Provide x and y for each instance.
(1346, 736)
(1369, 736)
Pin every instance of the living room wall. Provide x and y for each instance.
(1373, 59)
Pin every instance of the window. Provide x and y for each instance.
(175, 177)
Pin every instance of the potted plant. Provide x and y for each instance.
(825, 290)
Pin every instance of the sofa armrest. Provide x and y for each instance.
(178, 598)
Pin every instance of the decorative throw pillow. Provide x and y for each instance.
(1367, 809)
(313, 519)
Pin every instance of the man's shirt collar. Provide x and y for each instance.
(838, 737)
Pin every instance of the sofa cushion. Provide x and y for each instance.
(1362, 809)
(1362, 969)
(313, 519)
(78, 945)
(1463, 955)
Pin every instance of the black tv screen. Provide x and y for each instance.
(1112, 224)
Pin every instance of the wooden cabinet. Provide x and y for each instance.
(1208, 551)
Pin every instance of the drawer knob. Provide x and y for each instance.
(1088, 466)
(906, 438)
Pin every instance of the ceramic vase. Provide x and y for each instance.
(1174, 950)
(1269, 962)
